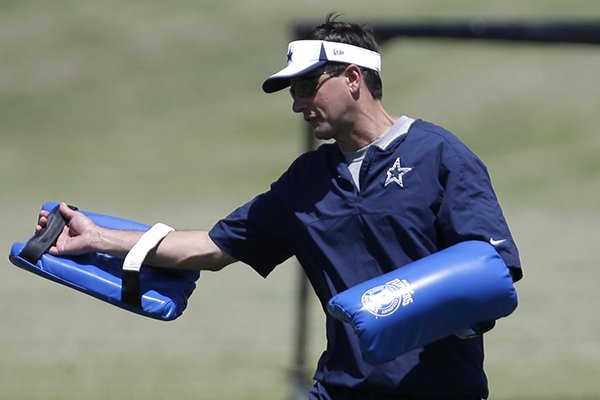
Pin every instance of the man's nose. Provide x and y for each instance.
(298, 104)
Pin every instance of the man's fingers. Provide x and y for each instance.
(59, 246)
(53, 250)
(66, 211)
(42, 221)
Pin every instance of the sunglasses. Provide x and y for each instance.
(305, 86)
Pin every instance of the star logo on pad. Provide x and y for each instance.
(395, 174)
(289, 56)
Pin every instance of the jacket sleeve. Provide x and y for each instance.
(470, 209)
(256, 233)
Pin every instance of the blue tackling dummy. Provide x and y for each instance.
(448, 292)
(152, 292)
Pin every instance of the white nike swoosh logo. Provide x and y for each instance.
(496, 242)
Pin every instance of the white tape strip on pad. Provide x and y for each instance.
(149, 240)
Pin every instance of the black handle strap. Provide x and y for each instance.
(41, 242)
(131, 290)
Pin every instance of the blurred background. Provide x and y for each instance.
(153, 111)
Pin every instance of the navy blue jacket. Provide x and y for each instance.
(422, 193)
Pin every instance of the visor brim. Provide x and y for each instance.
(281, 79)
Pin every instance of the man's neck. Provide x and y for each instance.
(369, 125)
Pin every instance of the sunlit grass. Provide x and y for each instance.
(153, 111)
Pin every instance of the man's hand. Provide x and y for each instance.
(77, 237)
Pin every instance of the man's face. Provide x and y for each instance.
(321, 98)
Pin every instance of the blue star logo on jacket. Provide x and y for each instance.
(396, 173)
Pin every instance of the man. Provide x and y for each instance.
(389, 190)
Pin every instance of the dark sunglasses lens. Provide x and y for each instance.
(303, 87)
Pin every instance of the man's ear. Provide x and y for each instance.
(354, 77)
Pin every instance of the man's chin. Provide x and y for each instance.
(321, 134)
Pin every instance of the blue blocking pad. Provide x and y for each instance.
(164, 293)
(429, 299)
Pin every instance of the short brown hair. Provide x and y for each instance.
(350, 33)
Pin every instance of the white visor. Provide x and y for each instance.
(305, 55)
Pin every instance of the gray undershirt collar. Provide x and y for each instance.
(355, 158)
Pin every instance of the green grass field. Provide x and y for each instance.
(153, 111)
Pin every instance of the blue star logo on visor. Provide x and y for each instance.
(289, 56)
